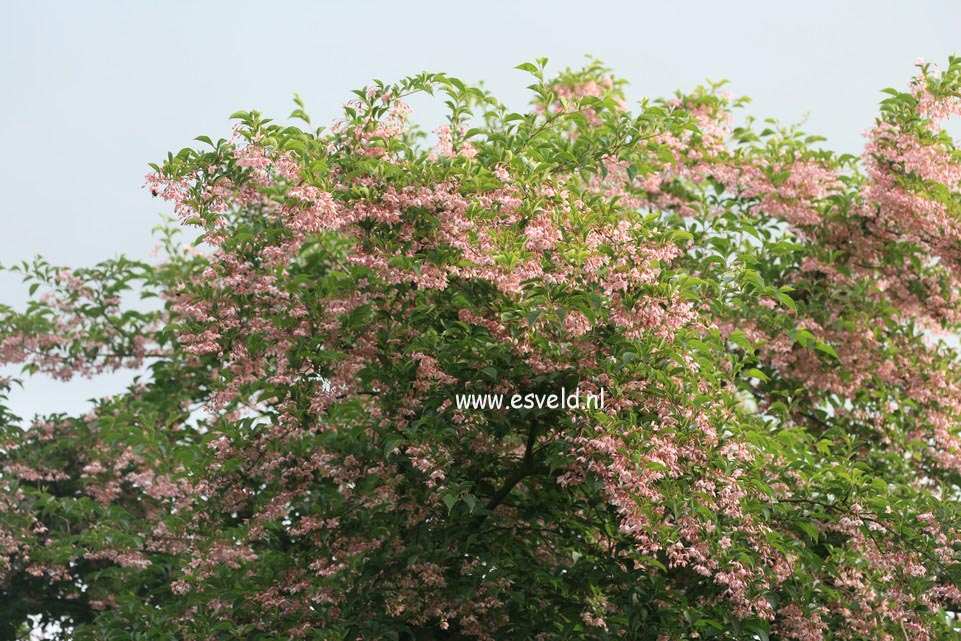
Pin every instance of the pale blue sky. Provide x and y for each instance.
(91, 92)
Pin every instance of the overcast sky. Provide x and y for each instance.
(91, 92)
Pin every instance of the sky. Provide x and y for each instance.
(91, 92)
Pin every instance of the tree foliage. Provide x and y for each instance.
(778, 457)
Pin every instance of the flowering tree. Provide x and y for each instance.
(778, 456)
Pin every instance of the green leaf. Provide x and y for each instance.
(450, 500)
(756, 373)
(827, 349)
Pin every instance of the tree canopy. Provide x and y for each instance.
(771, 322)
